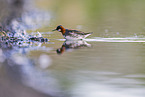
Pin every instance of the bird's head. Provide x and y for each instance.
(60, 28)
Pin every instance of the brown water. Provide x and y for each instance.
(108, 63)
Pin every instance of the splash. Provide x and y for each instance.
(14, 28)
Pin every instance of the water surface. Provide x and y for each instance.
(108, 63)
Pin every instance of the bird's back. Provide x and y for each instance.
(75, 34)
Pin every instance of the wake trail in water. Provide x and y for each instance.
(123, 40)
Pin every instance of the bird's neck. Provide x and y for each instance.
(63, 30)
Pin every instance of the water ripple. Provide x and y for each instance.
(119, 39)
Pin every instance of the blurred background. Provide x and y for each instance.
(100, 16)
(94, 67)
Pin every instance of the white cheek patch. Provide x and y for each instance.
(59, 29)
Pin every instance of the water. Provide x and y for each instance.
(108, 63)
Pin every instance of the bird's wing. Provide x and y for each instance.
(76, 32)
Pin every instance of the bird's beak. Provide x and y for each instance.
(54, 30)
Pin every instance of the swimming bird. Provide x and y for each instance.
(69, 34)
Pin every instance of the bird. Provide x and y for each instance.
(70, 34)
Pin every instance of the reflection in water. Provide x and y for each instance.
(70, 45)
(23, 71)
(96, 88)
(17, 16)
(39, 79)
(81, 81)
(45, 61)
